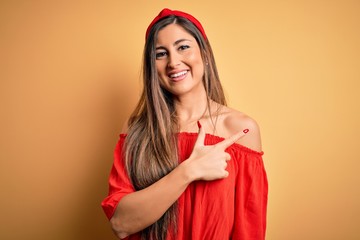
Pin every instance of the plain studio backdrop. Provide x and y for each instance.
(70, 74)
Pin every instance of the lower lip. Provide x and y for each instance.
(179, 78)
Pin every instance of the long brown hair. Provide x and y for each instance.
(151, 145)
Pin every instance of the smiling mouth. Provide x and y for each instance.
(178, 75)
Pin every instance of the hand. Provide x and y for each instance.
(210, 162)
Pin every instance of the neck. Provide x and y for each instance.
(191, 107)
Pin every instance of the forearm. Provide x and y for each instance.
(140, 209)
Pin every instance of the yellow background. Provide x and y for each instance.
(70, 75)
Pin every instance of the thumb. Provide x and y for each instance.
(200, 141)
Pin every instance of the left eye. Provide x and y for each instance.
(183, 47)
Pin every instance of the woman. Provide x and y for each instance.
(186, 166)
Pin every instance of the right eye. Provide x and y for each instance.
(160, 54)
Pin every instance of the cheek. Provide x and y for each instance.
(161, 73)
(195, 59)
(197, 63)
(158, 67)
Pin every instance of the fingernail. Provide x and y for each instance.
(198, 123)
(245, 131)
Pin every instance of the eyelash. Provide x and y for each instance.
(164, 53)
(183, 47)
(160, 54)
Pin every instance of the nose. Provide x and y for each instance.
(173, 60)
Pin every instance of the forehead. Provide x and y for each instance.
(171, 33)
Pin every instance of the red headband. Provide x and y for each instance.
(167, 12)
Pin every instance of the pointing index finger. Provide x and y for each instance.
(234, 138)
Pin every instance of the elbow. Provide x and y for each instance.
(118, 228)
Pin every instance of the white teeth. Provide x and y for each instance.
(178, 74)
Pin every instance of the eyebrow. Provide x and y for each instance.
(175, 43)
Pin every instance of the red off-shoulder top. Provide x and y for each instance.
(231, 208)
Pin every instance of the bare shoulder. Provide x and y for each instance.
(234, 121)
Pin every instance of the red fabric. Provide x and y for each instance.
(230, 208)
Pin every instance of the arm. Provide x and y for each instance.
(251, 189)
(250, 199)
(140, 209)
(137, 210)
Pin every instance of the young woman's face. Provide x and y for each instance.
(178, 60)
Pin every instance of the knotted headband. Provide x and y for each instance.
(167, 12)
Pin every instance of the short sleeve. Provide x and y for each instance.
(119, 182)
(251, 194)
